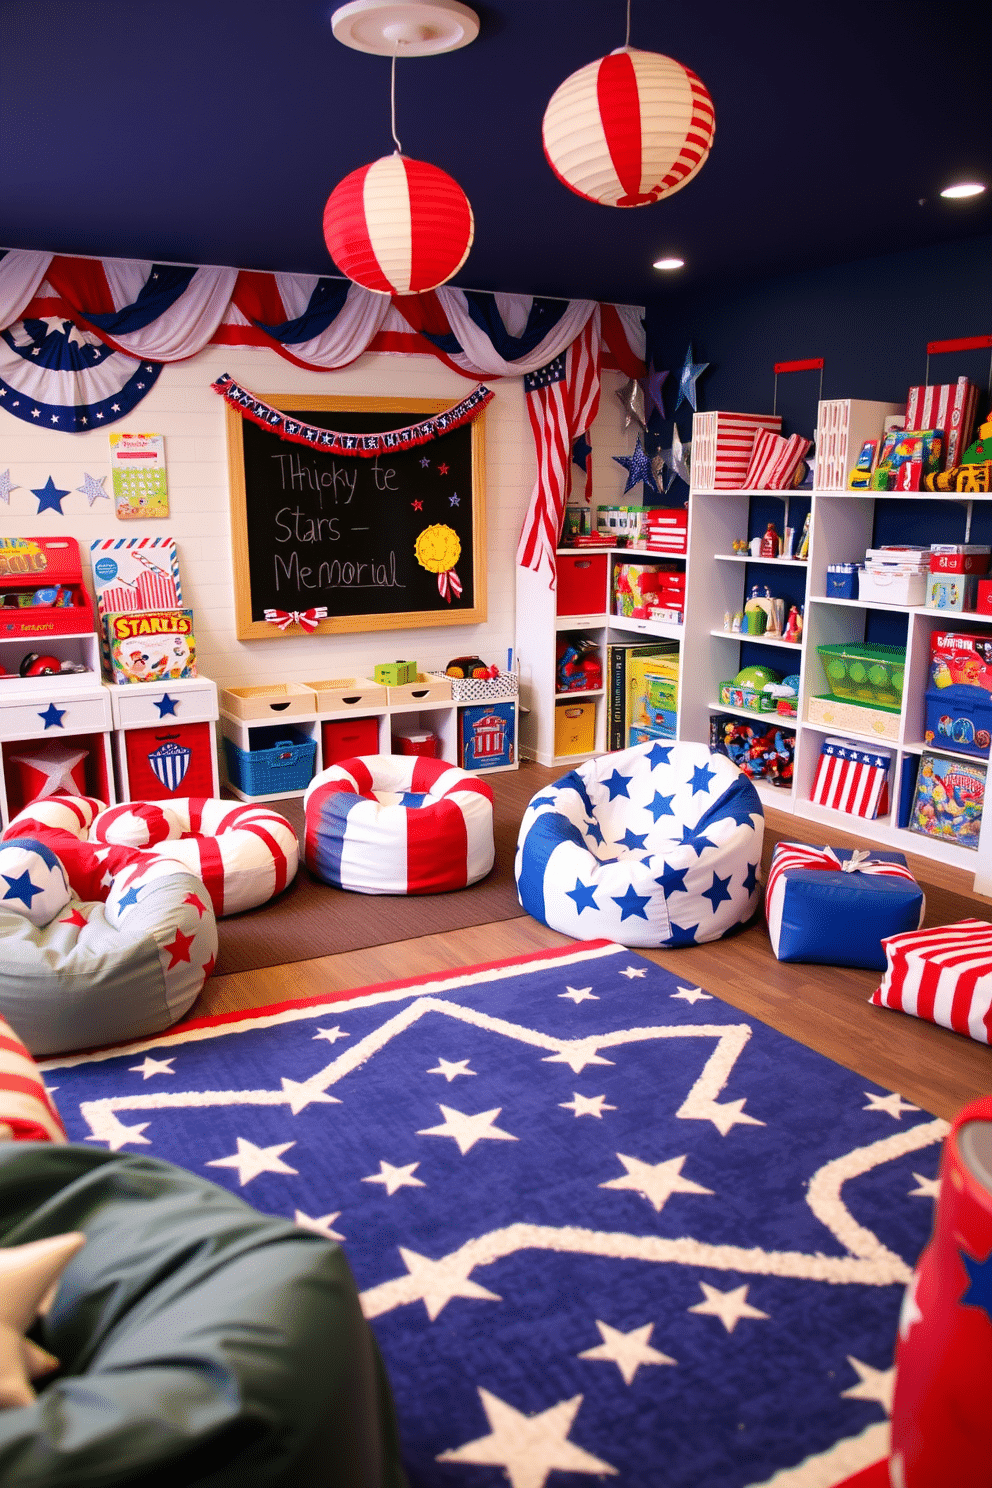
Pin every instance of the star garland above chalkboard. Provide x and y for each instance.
(365, 445)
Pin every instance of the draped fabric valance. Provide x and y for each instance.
(82, 341)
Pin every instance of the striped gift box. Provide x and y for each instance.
(774, 460)
(943, 975)
(26, 1109)
(721, 447)
(852, 778)
(835, 907)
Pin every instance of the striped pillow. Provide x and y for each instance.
(26, 1110)
(943, 974)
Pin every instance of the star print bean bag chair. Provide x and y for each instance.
(200, 1342)
(244, 854)
(658, 845)
(398, 824)
(98, 946)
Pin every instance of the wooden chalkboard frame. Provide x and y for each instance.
(411, 410)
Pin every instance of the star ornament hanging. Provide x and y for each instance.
(674, 459)
(638, 468)
(654, 401)
(688, 377)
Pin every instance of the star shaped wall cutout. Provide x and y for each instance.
(92, 488)
(654, 401)
(638, 468)
(688, 377)
(49, 497)
(6, 486)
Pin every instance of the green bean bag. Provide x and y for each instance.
(201, 1343)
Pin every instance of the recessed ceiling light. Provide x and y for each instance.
(963, 188)
(669, 263)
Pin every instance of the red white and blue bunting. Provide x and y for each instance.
(367, 446)
(83, 340)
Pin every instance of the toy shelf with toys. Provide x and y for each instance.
(893, 666)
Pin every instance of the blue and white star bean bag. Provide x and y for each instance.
(658, 845)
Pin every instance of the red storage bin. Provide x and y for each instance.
(346, 738)
(417, 741)
(169, 762)
(582, 583)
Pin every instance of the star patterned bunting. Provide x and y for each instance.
(565, 1254)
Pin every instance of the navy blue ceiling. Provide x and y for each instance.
(212, 131)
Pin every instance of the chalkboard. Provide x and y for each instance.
(312, 527)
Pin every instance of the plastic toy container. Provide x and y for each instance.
(283, 761)
(864, 673)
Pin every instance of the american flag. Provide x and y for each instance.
(562, 399)
(852, 779)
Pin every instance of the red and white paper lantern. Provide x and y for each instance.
(628, 129)
(398, 226)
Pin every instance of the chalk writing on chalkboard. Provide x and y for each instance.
(397, 541)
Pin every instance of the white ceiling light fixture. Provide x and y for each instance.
(962, 189)
(420, 28)
(668, 264)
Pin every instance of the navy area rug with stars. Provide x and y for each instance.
(604, 1227)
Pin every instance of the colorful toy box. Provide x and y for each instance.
(485, 736)
(41, 588)
(395, 673)
(948, 800)
(151, 645)
(959, 558)
(956, 592)
(834, 907)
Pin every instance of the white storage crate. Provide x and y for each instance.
(480, 689)
(842, 426)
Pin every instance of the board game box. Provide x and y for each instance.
(151, 645)
(948, 801)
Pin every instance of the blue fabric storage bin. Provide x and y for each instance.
(842, 581)
(959, 717)
(281, 760)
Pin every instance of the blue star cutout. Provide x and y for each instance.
(129, 897)
(52, 717)
(638, 468)
(617, 785)
(691, 372)
(979, 1293)
(718, 891)
(661, 805)
(594, 830)
(631, 903)
(659, 754)
(584, 896)
(653, 397)
(682, 936)
(454, 500)
(425, 463)
(581, 450)
(21, 888)
(751, 879)
(672, 881)
(166, 704)
(633, 840)
(50, 497)
(697, 841)
(701, 777)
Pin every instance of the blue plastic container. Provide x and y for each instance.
(959, 717)
(280, 761)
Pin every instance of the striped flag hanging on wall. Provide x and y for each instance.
(562, 399)
(852, 778)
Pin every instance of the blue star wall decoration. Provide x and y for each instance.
(581, 450)
(49, 497)
(638, 468)
(688, 377)
(654, 401)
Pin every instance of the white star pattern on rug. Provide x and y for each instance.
(152, 1067)
(250, 1161)
(528, 1448)
(628, 1351)
(321, 1226)
(630, 972)
(586, 1105)
(893, 1105)
(106, 1127)
(691, 995)
(655, 1182)
(577, 1055)
(929, 1188)
(579, 994)
(466, 1130)
(873, 1384)
(331, 1034)
(436, 1282)
(393, 1178)
(451, 1069)
(729, 1307)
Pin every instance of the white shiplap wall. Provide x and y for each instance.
(190, 415)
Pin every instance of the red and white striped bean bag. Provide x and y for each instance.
(26, 1110)
(942, 974)
(398, 824)
(245, 854)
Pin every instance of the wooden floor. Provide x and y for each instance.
(825, 1007)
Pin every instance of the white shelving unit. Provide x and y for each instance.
(539, 625)
(717, 581)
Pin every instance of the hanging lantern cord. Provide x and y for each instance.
(627, 42)
(392, 100)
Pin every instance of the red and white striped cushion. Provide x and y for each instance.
(26, 1109)
(774, 460)
(943, 974)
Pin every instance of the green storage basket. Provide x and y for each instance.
(860, 672)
